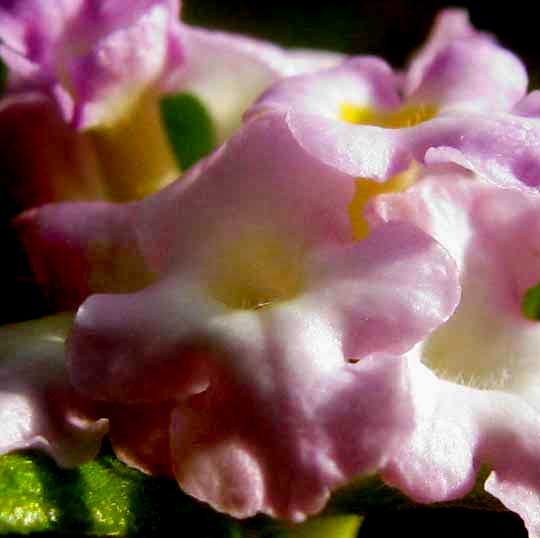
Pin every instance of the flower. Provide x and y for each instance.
(83, 54)
(265, 319)
(474, 380)
(98, 66)
(455, 103)
(99, 72)
(38, 406)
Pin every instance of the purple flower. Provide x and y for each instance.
(454, 104)
(474, 380)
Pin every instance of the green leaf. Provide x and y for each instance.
(101, 498)
(530, 306)
(3, 76)
(188, 126)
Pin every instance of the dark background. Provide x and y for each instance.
(390, 28)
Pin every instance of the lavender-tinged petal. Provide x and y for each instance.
(211, 57)
(457, 430)
(84, 54)
(114, 74)
(364, 82)
(475, 74)
(38, 406)
(529, 106)
(469, 139)
(492, 234)
(310, 60)
(450, 26)
(389, 291)
(142, 347)
(279, 442)
(241, 189)
(488, 344)
(42, 158)
(82, 248)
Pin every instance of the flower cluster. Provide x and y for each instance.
(345, 285)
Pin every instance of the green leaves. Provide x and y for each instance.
(188, 127)
(530, 305)
(103, 497)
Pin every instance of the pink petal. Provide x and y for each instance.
(241, 189)
(82, 248)
(146, 447)
(388, 291)
(83, 53)
(459, 429)
(487, 344)
(211, 57)
(38, 407)
(43, 159)
(173, 341)
(529, 106)
(473, 73)
(124, 62)
(363, 82)
(282, 451)
(459, 65)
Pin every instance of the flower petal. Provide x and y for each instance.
(114, 73)
(211, 57)
(283, 450)
(244, 190)
(363, 82)
(43, 158)
(474, 74)
(461, 66)
(38, 407)
(83, 53)
(449, 26)
(82, 248)
(491, 233)
(483, 406)
(388, 291)
(459, 429)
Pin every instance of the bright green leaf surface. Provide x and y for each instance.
(100, 498)
(188, 127)
(530, 305)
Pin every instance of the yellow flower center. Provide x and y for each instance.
(406, 116)
(134, 152)
(255, 271)
(365, 189)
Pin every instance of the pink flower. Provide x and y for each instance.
(264, 320)
(97, 73)
(474, 380)
(455, 103)
(84, 54)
